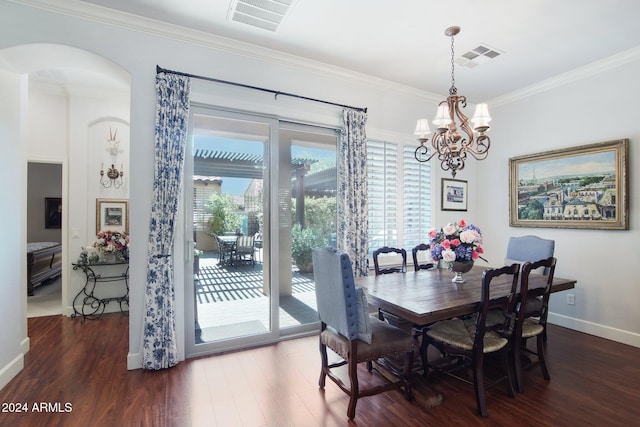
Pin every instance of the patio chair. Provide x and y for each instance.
(245, 250)
(225, 251)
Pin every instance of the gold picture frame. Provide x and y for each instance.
(579, 187)
(112, 214)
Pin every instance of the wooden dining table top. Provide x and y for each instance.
(427, 296)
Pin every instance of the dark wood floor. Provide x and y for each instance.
(82, 369)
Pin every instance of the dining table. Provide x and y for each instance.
(423, 297)
(426, 296)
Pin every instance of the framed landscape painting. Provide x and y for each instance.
(578, 187)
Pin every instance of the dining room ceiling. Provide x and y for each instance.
(404, 41)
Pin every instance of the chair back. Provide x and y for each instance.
(244, 244)
(504, 303)
(529, 248)
(526, 309)
(389, 250)
(335, 291)
(422, 247)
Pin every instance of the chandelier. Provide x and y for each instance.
(448, 144)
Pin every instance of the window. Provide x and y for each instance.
(399, 196)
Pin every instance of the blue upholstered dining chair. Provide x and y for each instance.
(348, 330)
(529, 249)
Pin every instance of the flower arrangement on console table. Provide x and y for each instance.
(459, 244)
(112, 242)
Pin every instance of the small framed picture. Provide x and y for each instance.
(112, 214)
(52, 212)
(454, 195)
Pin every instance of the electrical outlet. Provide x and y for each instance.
(571, 299)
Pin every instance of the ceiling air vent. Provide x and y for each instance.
(477, 56)
(265, 14)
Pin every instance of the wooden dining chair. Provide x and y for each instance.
(415, 252)
(465, 342)
(385, 251)
(531, 319)
(394, 253)
(348, 330)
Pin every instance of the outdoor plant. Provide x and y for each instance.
(223, 217)
(303, 240)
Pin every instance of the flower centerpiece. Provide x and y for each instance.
(113, 242)
(458, 244)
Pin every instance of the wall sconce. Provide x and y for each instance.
(113, 178)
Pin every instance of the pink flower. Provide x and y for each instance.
(448, 255)
(446, 244)
(433, 233)
(449, 229)
(455, 242)
(462, 223)
(474, 255)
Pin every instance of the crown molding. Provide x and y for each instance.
(589, 70)
(103, 15)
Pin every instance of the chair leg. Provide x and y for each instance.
(541, 356)
(517, 365)
(478, 383)
(408, 368)
(354, 389)
(507, 365)
(324, 365)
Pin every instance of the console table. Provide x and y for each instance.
(92, 306)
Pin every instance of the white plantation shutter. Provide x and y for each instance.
(382, 159)
(417, 199)
(399, 196)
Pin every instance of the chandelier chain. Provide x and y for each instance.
(453, 89)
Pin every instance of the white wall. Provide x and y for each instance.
(599, 108)
(13, 204)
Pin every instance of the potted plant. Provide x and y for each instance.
(303, 240)
(196, 260)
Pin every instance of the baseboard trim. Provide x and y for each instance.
(12, 369)
(134, 361)
(25, 345)
(591, 328)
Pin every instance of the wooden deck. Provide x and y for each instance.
(233, 295)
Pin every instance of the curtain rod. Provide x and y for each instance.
(159, 70)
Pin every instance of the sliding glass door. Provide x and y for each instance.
(262, 193)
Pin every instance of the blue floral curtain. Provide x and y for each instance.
(159, 348)
(353, 225)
